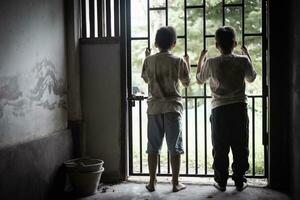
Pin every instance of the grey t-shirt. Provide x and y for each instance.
(227, 75)
(162, 71)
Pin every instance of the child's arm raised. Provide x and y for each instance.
(201, 61)
(250, 74)
(245, 52)
(184, 71)
(147, 52)
(144, 70)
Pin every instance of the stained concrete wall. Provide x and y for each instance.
(33, 97)
(101, 103)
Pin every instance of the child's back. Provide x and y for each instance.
(227, 78)
(229, 119)
(162, 71)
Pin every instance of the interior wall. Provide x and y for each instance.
(101, 103)
(295, 94)
(33, 97)
(279, 96)
(32, 70)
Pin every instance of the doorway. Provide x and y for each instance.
(195, 22)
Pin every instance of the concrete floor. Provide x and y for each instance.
(196, 189)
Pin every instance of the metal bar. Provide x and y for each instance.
(158, 8)
(168, 163)
(253, 34)
(123, 82)
(92, 18)
(265, 87)
(83, 19)
(185, 29)
(108, 19)
(253, 136)
(205, 132)
(209, 36)
(204, 24)
(243, 22)
(139, 38)
(166, 10)
(148, 22)
(141, 138)
(181, 36)
(196, 6)
(186, 134)
(129, 80)
(205, 106)
(196, 138)
(117, 17)
(193, 175)
(100, 17)
(234, 5)
(202, 97)
(158, 164)
(185, 91)
(223, 12)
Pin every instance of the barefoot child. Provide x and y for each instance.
(162, 72)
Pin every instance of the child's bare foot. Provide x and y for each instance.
(151, 186)
(178, 187)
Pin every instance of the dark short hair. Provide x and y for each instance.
(225, 37)
(165, 37)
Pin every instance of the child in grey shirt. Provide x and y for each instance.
(162, 72)
(229, 119)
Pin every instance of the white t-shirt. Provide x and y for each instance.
(227, 75)
(162, 72)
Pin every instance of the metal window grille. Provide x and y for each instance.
(137, 135)
(100, 18)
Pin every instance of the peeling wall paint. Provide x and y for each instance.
(33, 83)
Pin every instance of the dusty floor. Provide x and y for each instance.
(197, 188)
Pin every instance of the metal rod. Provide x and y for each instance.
(234, 5)
(193, 175)
(205, 127)
(223, 12)
(196, 138)
(205, 131)
(124, 102)
(185, 95)
(92, 18)
(117, 17)
(108, 19)
(185, 29)
(158, 8)
(253, 34)
(100, 17)
(253, 136)
(166, 10)
(265, 87)
(148, 22)
(141, 134)
(83, 19)
(129, 79)
(243, 22)
(158, 164)
(168, 162)
(196, 6)
(204, 24)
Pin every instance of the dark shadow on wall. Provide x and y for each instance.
(34, 170)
